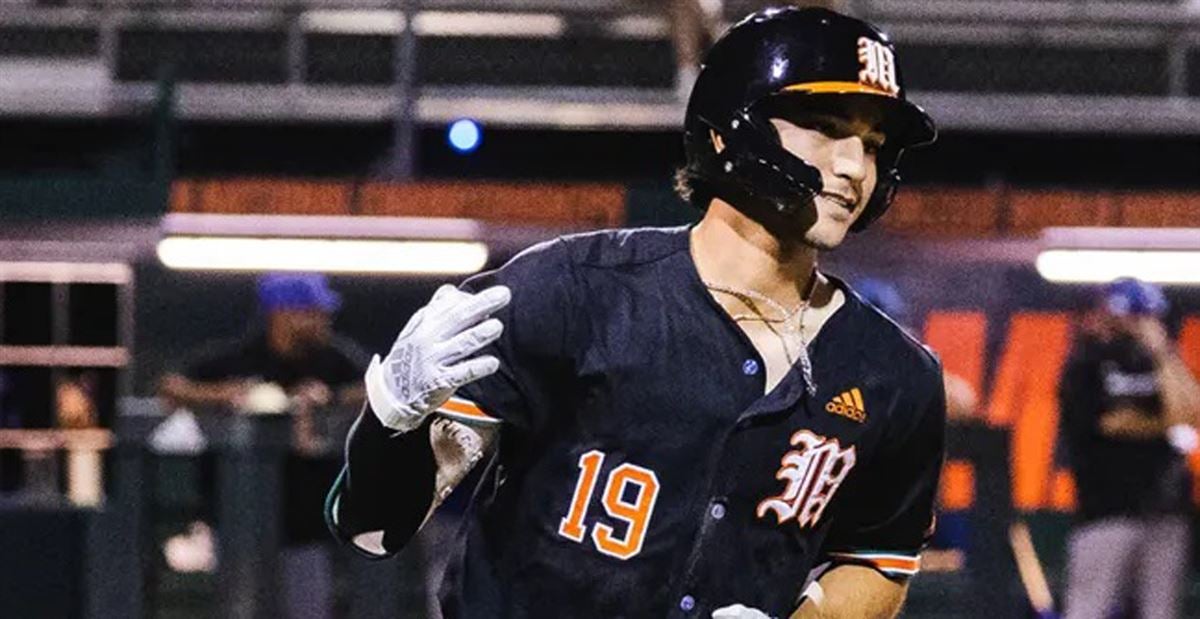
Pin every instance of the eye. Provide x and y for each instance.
(836, 128)
(873, 143)
(819, 123)
(826, 126)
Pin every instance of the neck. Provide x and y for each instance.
(732, 249)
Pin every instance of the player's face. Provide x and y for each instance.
(843, 146)
(306, 326)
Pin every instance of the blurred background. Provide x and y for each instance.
(157, 157)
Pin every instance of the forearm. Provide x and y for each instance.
(178, 390)
(853, 592)
(1180, 393)
(1131, 424)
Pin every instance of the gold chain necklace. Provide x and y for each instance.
(748, 296)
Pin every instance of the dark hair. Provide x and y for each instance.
(692, 190)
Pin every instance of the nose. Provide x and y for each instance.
(850, 159)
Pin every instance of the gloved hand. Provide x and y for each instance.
(738, 611)
(426, 364)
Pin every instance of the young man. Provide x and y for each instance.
(297, 351)
(1129, 407)
(682, 422)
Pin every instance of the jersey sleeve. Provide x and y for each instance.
(535, 348)
(888, 517)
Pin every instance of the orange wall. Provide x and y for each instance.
(1023, 397)
(571, 205)
(950, 211)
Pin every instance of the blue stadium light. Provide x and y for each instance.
(464, 135)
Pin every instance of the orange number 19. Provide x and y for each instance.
(634, 513)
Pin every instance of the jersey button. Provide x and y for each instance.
(687, 603)
(750, 367)
(717, 511)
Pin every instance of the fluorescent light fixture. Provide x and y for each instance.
(332, 244)
(1097, 255)
(446, 24)
(353, 21)
(424, 257)
(639, 27)
(1104, 265)
(66, 272)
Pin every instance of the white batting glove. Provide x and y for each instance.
(426, 364)
(738, 611)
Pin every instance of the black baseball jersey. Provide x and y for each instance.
(337, 362)
(641, 470)
(1118, 476)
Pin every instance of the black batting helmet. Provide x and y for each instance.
(778, 59)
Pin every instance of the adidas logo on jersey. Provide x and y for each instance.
(849, 405)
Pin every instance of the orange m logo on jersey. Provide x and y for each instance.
(812, 473)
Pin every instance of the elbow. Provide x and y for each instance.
(367, 541)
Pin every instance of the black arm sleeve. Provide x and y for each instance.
(386, 484)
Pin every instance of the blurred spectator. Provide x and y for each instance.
(1129, 406)
(75, 400)
(294, 362)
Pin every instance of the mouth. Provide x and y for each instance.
(845, 200)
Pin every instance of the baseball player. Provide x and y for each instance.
(687, 421)
(1129, 409)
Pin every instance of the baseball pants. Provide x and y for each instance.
(1119, 559)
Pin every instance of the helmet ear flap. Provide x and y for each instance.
(888, 183)
(744, 162)
(881, 200)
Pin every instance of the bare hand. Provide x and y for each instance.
(1153, 335)
(312, 393)
(233, 393)
(306, 441)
